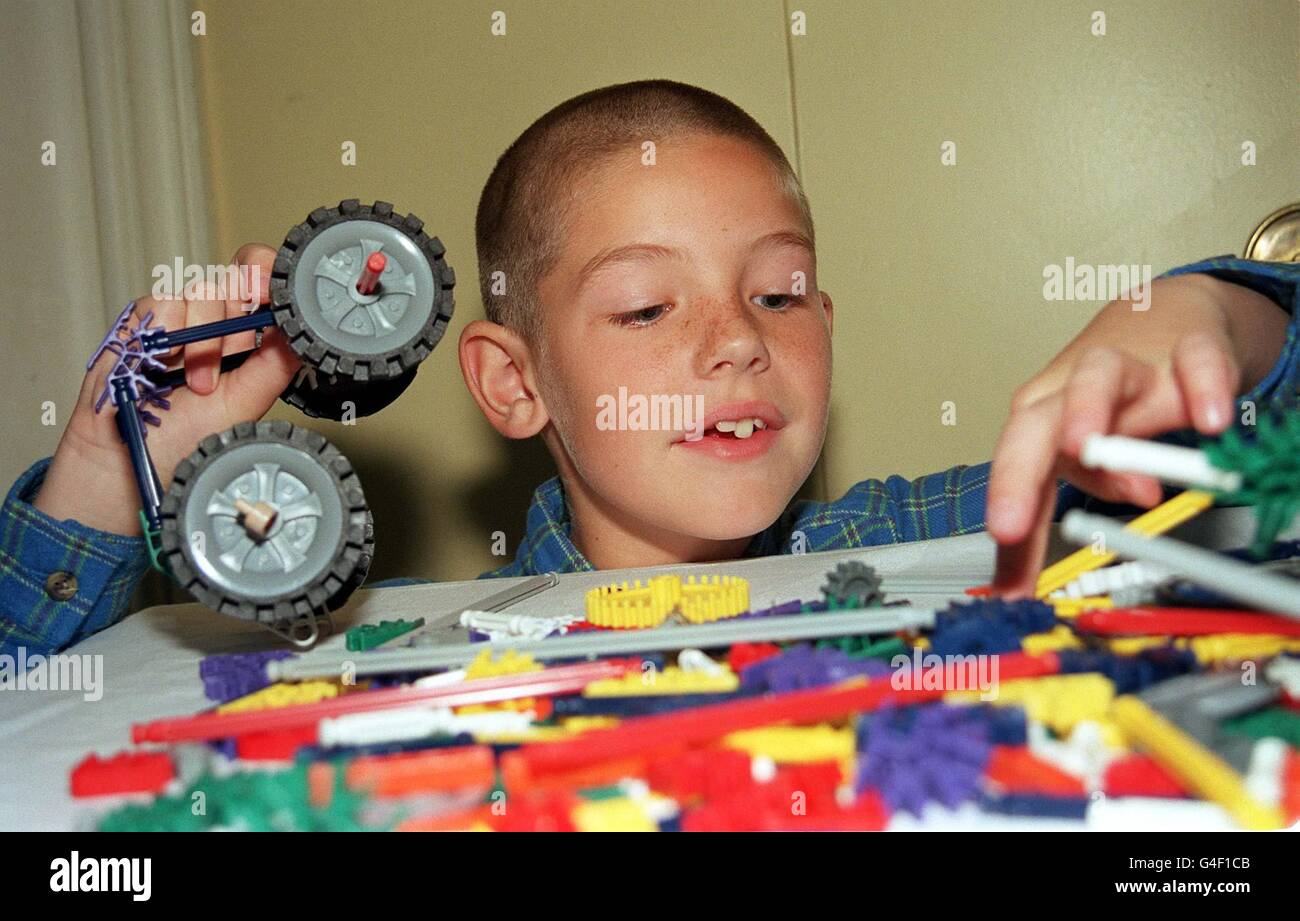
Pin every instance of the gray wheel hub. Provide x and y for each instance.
(302, 540)
(325, 287)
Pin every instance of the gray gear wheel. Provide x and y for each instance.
(339, 331)
(316, 550)
(853, 583)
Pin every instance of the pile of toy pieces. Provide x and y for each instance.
(1158, 693)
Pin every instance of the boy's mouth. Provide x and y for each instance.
(736, 430)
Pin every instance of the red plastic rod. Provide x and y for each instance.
(565, 679)
(369, 279)
(1183, 622)
(647, 735)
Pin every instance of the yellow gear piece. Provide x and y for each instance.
(670, 680)
(1057, 701)
(1204, 772)
(713, 598)
(282, 695)
(576, 724)
(616, 814)
(637, 605)
(1059, 637)
(795, 744)
(1132, 645)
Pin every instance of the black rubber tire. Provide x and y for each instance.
(325, 400)
(332, 359)
(350, 557)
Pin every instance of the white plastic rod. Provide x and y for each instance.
(610, 643)
(1253, 585)
(1169, 463)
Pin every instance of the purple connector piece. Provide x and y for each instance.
(132, 363)
(230, 676)
(917, 755)
(802, 666)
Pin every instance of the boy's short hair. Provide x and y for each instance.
(522, 211)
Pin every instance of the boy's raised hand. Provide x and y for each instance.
(1180, 366)
(90, 478)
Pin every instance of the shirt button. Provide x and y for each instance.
(61, 585)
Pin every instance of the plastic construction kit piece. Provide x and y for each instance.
(1169, 463)
(133, 359)
(1148, 621)
(282, 695)
(126, 772)
(1203, 772)
(227, 676)
(853, 583)
(802, 666)
(647, 735)
(1039, 805)
(877, 621)
(697, 601)
(368, 636)
(1248, 584)
(988, 626)
(564, 679)
(914, 756)
(670, 680)
(1268, 466)
(1164, 517)
(262, 522)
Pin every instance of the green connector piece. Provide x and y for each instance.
(153, 540)
(1277, 722)
(1269, 465)
(368, 636)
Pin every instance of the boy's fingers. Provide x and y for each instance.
(253, 387)
(253, 263)
(203, 359)
(1018, 564)
(1094, 389)
(1022, 462)
(1208, 378)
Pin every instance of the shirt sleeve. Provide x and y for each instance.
(1280, 283)
(60, 581)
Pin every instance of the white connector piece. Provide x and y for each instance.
(1168, 463)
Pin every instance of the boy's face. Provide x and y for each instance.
(717, 300)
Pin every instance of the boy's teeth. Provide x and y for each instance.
(726, 425)
(759, 423)
(744, 428)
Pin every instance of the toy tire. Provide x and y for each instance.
(317, 551)
(323, 396)
(340, 332)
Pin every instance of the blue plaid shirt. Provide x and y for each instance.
(107, 567)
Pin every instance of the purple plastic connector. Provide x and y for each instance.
(918, 755)
(133, 360)
(229, 676)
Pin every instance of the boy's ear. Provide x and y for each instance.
(829, 307)
(497, 365)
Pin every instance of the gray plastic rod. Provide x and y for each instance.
(611, 643)
(1253, 585)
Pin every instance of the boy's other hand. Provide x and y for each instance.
(90, 478)
(1176, 362)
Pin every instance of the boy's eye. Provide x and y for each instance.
(643, 317)
(776, 301)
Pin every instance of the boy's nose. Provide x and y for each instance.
(732, 342)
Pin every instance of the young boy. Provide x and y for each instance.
(689, 273)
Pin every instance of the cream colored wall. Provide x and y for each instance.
(1115, 149)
